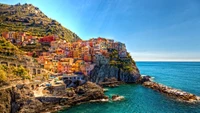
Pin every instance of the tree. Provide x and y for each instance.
(22, 72)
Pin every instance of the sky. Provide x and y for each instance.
(153, 30)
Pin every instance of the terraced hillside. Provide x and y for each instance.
(28, 18)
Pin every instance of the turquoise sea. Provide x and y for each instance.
(138, 99)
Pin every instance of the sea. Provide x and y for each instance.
(139, 99)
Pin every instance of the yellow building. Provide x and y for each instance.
(48, 65)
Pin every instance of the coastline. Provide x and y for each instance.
(189, 98)
(177, 94)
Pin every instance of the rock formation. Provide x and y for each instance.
(99, 73)
(20, 99)
(171, 92)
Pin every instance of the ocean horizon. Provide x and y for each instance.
(139, 99)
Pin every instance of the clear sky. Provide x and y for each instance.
(151, 29)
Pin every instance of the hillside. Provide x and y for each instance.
(8, 50)
(28, 18)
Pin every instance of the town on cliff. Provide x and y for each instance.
(42, 72)
(69, 57)
(64, 72)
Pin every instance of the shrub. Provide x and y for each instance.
(3, 75)
(22, 72)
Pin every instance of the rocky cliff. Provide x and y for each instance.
(123, 69)
(101, 72)
(20, 98)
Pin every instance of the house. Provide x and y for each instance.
(76, 54)
(100, 40)
(68, 46)
(68, 61)
(47, 40)
(91, 43)
(69, 54)
(68, 69)
(54, 65)
(54, 45)
(87, 57)
(62, 44)
(79, 43)
(116, 45)
(60, 67)
(103, 48)
(110, 41)
(8, 35)
(77, 66)
(48, 65)
(110, 44)
(59, 51)
(41, 60)
(5, 35)
(14, 37)
(20, 37)
(96, 48)
(86, 49)
(74, 44)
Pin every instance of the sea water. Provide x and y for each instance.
(139, 99)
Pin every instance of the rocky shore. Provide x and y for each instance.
(110, 82)
(172, 92)
(20, 99)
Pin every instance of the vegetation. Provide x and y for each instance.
(126, 64)
(8, 74)
(27, 18)
(7, 48)
(3, 75)
(21, 72)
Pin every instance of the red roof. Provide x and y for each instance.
(48, 39)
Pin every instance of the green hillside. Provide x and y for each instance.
(28, 18)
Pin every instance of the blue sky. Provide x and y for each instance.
(158, 30)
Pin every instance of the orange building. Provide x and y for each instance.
(87, 57)
(60, 67)
(59, 51)
(5, 35)
(48, 65)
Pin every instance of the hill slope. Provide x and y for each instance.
(28, 18)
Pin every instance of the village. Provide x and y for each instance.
(71, 60)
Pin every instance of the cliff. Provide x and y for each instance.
(18, 99)
(28, 18)
(99, 73)
(122, 69)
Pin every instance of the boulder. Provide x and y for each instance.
(117, 98)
